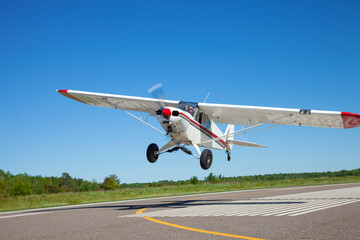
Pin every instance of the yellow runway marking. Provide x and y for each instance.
(206, 231)
(141, 210)
(196, 229)
(200, 230)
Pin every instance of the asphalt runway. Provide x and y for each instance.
(311, 212)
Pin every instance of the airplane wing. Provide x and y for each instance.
(140, 104)
(249, 115)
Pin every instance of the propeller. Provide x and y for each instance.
(156, 92)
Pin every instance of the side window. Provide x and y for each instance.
(205, 121)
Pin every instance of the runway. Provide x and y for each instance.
(311, 212)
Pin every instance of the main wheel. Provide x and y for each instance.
(206, 159)
(151, 153)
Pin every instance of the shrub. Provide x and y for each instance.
(3, 189)
(22, 188)
(116, 178)
(110, 184)
(194, 180)
(85, 186)
(49, 187)
(211, 178)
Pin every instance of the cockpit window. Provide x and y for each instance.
(190, 107)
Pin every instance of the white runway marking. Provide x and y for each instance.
(23, 215)
(285, 205)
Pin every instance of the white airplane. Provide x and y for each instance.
(191, 123)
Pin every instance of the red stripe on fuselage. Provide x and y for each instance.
(204, 129)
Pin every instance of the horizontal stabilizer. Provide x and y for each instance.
(245, 144)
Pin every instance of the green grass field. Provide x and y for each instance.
(63, 199)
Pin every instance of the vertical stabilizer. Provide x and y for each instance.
(229, 130)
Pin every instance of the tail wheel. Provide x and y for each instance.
(206, 159)
(152, 153)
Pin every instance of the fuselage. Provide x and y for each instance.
(184, 128)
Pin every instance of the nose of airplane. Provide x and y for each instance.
(166, 113)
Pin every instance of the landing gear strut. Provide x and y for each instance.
(206, 156)
(228, 156)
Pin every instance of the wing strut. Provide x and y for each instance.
(115, 106)
(145, 122)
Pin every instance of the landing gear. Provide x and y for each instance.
(228, 156)
(152, 153)
(206, 159)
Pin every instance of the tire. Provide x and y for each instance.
(151, 153)
(206, 159)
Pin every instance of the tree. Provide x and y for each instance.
(3, 189)
(49, 186)
(110, 184)
(68, 184)
(211, 178)
(194, 180)
(22, 188)
(2, 174)
(116, 178)
(95, 185)
(85, 186)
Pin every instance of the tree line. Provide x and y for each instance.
(24, 184)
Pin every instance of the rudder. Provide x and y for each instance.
(229, 130)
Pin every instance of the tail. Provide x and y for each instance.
(229, 130)
(230, 139)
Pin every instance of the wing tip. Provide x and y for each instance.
(65, 93)
(350, 120)
(62, 91)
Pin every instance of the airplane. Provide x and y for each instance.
(194, 123)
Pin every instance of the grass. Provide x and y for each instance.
(63, 199)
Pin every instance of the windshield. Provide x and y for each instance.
(190, 107)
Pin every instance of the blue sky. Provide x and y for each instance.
(296, 54)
